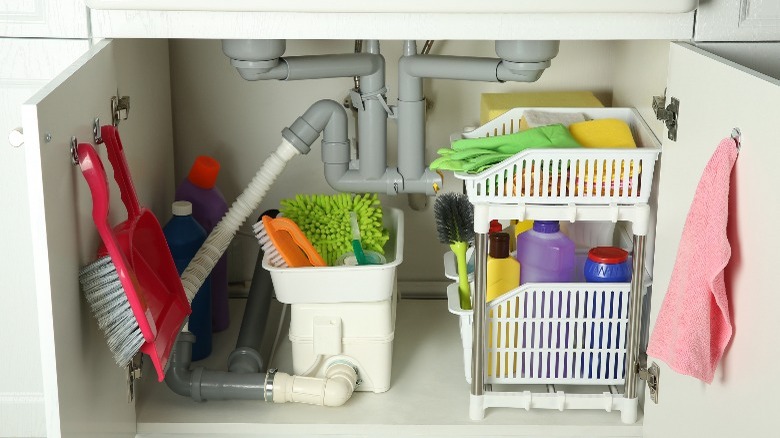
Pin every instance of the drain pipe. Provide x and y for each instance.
(329, 118)
(202, 384)
(262, 59)
(244, 381)
(246, 357)
(521, 61)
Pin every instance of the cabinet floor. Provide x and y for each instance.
(428, 395)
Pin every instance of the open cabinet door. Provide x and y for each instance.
(715, 96)
(85, 392)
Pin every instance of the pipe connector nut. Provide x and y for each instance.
(268, 386)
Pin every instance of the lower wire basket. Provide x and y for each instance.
(552, 333)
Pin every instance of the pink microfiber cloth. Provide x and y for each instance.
(693, 326)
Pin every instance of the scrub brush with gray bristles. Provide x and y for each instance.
(455, 225)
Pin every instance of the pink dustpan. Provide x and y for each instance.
(139, 252)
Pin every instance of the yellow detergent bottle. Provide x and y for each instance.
(503, 272)
(516, 228)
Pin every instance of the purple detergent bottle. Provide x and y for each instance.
(546, 255)
(208, 207)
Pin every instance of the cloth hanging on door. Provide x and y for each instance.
(693, 327)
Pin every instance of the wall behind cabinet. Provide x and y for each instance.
(238, 122)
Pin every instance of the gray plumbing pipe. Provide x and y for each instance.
(412, 68)
(202, 384)
(246, 357)
(372, 120)
(330, 118)
(296, 68)
(243, 381)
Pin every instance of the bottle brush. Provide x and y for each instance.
(455, 225)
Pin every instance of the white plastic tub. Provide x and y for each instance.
(344, 284)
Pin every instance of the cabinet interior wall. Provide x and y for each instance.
(215, 112)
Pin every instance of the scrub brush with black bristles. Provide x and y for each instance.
(455, 225)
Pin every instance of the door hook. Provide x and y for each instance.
(736, 135)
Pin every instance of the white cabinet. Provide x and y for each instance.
(443, 25)
(738, 20)
(44, 18)
(85, 392)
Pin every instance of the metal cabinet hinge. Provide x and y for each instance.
(667, 114)
(651, 375)
(119, 104)
(133, 374)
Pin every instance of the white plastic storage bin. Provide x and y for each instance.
(344, 313)
(344, 284)
(567, 176)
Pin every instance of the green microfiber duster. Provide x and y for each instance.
(324, 219)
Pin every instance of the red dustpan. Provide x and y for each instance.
(157, 298)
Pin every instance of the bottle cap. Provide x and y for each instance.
(547, 226)
(204, 172)
(495, 226)
(499, 245)
(182, 208)
(607, 254)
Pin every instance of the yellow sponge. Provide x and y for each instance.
(493, 105)
(603, 133)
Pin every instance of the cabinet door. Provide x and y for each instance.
(44, 18)
(85, 392)
(28, 64)
(715, 96)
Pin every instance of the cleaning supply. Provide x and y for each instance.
(536, 118)
(208, 207)
(603, 133)
(693, 326)
(492, 105)
(356, 245)
(590, 234)
(184, 236)
(503, 272)
(324, 219)
(546, 255)
(473, 155)
(607, 264)
(133, 288)
(372, 258)
(284, 243)
(455, 225)
(517, 228)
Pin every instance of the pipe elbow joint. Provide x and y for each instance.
(179, 376)
(324, 116)
(340, 384)
(333, 390)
